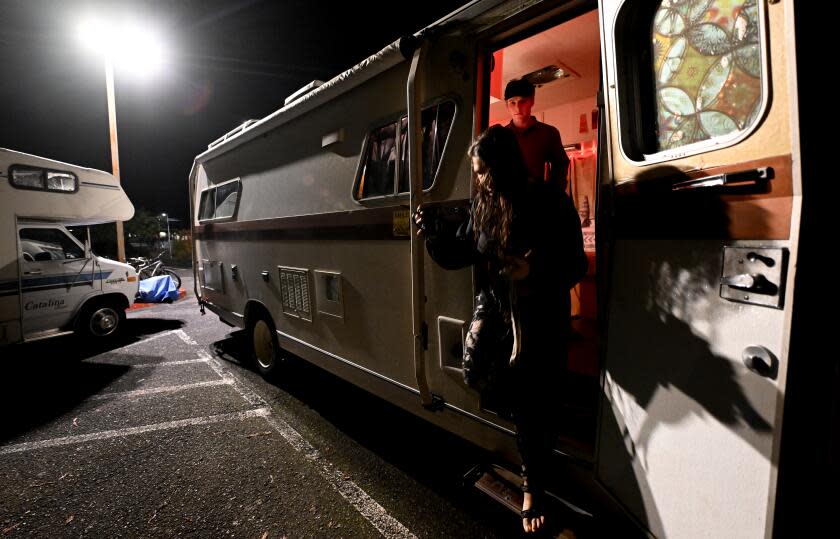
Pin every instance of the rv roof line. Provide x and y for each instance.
(316, 94)
(342, 82)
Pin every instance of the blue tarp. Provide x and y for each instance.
(157, 290)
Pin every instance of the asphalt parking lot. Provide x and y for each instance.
(169, 432)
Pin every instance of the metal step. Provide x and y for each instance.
(505, 487)
(501, 489)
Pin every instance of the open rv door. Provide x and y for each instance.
(439, 94)
(704, 171)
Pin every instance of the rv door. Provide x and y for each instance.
(56, 275)
(414, 95)
(439, 95)
(705, 174)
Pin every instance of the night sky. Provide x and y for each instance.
(228, 61)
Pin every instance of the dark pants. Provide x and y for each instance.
(534, 389)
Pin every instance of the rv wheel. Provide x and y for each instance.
(101, 320)
(265, 348)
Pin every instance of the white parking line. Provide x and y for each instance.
(152, 338)
(374, 513)
(168, 363)
(162, 389)
(119, 433)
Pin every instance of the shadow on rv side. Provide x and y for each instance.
(46, 379)
(663, 310)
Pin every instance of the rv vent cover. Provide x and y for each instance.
(236, 130)
(303, 91)
(550, 73)
(294, 289)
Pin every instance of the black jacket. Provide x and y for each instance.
(546, 223)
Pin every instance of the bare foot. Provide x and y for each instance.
(530, 523)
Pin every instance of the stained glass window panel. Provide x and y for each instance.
(707, 68)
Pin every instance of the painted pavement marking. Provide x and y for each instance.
(157, 390)
(374, 513)
(120, 433)
(168, 363)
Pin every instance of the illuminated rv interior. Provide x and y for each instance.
(566, 56)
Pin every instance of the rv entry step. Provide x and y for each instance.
(505, 487)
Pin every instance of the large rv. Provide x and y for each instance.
(50, 282)
(681, 119)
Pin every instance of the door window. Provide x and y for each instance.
(692, 76)
(45, 244)
(379, 168)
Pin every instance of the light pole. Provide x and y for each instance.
(132, 47)
(168, 235)
(115, 149)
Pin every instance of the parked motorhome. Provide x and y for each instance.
(50, 281)
(681, 122)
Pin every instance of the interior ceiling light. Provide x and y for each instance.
(550, 73)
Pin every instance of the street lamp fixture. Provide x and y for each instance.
(132, 49)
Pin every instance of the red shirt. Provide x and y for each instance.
(540, 144)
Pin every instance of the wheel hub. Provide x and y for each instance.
(104, 321)
(263, 344)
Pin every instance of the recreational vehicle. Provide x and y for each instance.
(50, 282)
(681, 119)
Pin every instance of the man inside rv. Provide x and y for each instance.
(541, 145)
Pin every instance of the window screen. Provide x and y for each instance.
(208, 204)
(377, 178)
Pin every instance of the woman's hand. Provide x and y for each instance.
(418, 220)
(516, 268)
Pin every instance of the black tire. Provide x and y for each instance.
(175, 277)
(265, 349)
(100, 320)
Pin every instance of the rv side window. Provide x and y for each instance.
(208, 204)
(219, 202)
(226, 196)
(379, 167)
(690, 75)
(44, 244)
(437, 121)
(43, 180)
(380, 158)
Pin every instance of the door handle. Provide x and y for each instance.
(33, 272)
(761, 361)
(751, 282)
(752, 176)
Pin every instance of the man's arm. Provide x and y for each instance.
(559, 160)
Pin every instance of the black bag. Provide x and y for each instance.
(487, 346)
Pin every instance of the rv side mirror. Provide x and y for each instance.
(43, 256)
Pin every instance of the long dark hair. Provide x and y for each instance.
(506, 178)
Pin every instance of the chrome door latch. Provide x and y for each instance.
(754, 275)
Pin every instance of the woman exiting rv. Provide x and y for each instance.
(525, 240)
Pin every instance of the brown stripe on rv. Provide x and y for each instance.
(648, 207)
(361, 224)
